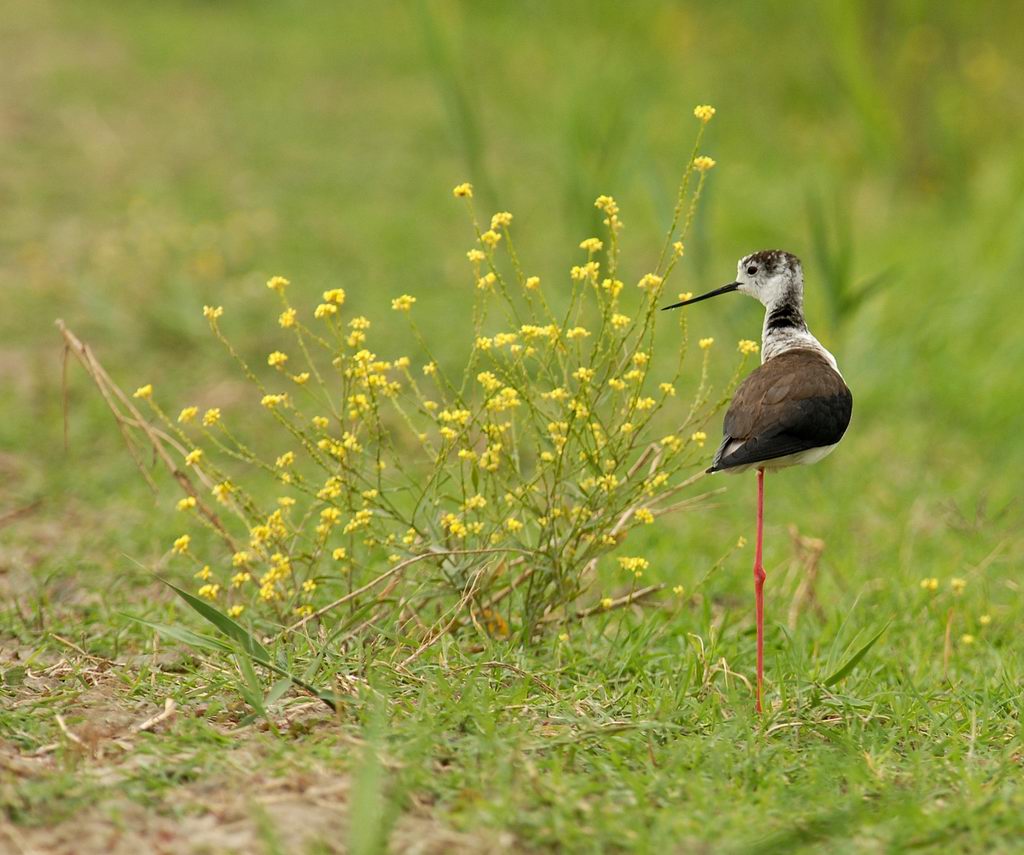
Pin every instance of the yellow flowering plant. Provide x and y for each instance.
(504, 484)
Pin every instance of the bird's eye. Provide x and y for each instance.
(752, 270)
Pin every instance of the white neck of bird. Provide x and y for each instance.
(785, 328)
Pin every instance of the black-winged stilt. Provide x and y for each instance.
(792, 409)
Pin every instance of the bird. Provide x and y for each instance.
(793, 409)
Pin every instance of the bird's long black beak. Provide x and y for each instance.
(725, 289)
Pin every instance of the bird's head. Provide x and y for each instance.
(769, 276)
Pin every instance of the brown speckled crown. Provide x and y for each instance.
(774, 261)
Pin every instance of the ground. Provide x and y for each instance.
(178, 155)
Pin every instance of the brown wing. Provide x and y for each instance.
(793, 402)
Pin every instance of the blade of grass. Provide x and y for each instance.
(851, 663)
(185, 636)
(250, 645)
(233, 630)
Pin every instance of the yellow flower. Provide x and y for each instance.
(684, 296)
(741, 541)
(620, 322)
(579, 272)
(645, 403)
(563, 636)
(957, 585)
(285, 501)
(301, 378)
(430, 369)
(506, 399)
(360, 520)
(339, 554)
(193, 457)
(703, 163)
(188, 414)
(583, 374)
(181, 544)
(286, 459)
(277, 283)
(634, 565)
(488, 381)
(557, 394)
(209, 592)
(490, 238)
(698, 437)
(671, 442)
(211, 416)
(513, 525)
(463, 191)
(277, 359)
(502, 339)
(309, 586)
(649, 282)
(930, 584)
(212, 312)
(967, 638)
(240, 579)
(240, 558)
(678, 590)
(532, 283)
(325, 310)
(644, 515)
(678, 249)
(335, 296)
(223, 490)
(475, 255)
(592, 245)
(985, 620)
(272, 401)
(287, 318)
(403, 303)
(612, 287)
(144, 392)
(705, 343)
(532, 331)
(205, 573)
(606, 204)
(704, 112)
(235, 611)
(486, 281)
(577, 332)
(667, 389)
(320, 422)
(746, 346)
(607, 602)
(187, 503)
(501, 219)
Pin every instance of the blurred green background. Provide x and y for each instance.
(163, 156)
(159, 156)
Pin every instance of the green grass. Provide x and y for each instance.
(173, 155)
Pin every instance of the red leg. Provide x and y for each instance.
(759, 577)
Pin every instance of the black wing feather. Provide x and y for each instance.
(811, 423)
